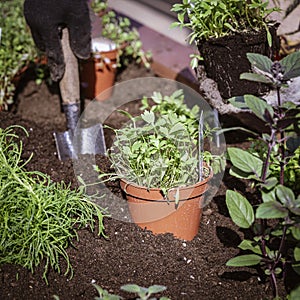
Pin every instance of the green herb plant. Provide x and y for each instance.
(38, 218)
(142, 292)
(17, 48)
(217, 18)
(165, 105)
(99, 6)
(274, 216)
(159, 148)
(155, 151)
(126, 37)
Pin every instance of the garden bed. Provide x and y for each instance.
(189, 270)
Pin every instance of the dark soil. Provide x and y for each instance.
(235, 48)
(189, 270)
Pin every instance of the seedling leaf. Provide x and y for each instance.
(258, 106)
(250, 245)
(297, 254)
(148, 117)
(244, 260)
(291, 64)
(269, 196)
(260, 61)
(285, 196)
(131, 288)
(240, 210)
(271, 210)
(245, 161)
(153, 289)
(255, 77)
(295, 294)
(296, 232)
(238, 101)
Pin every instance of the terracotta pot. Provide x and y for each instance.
(40, 60)
(18, 76)
(97, 75)
(149, 210)
(225, 59)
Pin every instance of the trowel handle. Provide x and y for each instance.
(69, 84)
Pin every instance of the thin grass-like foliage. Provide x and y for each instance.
(38, 218)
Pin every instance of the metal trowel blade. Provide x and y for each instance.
(84, 141)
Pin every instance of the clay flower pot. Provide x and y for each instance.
(150, 210)
(97, 75)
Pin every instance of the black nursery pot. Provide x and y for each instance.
(225, 59)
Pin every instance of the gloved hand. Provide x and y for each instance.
(47, 18)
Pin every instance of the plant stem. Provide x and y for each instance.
(273, 265)
(282, 243)
(279, 100)
(274, 285)
(263, 222)
(282, 136)
(263, 247)
(267, 160)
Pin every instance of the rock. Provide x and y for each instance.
(291, 93)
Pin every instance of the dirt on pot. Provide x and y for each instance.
(189, 270)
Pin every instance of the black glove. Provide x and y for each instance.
(46, 18)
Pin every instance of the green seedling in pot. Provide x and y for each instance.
(119, 30)
(208, 19)
(159, 148)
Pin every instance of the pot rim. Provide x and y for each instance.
(182, 188)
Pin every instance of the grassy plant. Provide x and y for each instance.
(38, 218)
(16, 47)
(275, 245)
(213, 19)
(208, 19)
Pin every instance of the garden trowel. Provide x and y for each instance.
(75, 140)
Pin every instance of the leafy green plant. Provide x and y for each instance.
(17, 48)
(98, 6)
(209, 19)
(142, 292)
(174, 104)
(292, 167)
(104, 294)
(38, 218)
(159, 148)
(155, 152)
(276, 244)
(126, 37)
(213, 19)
